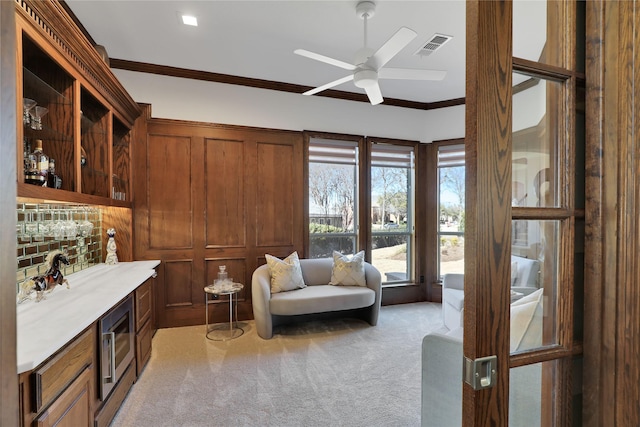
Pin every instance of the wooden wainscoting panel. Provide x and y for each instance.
(276, 194)
(178, 277)
(170, 192)
(210, 193)
(224, 188)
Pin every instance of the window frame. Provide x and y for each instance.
(402, 292)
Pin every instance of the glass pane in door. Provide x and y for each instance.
(534, 284)
(536, 129)
(533, 393)
(537, 31)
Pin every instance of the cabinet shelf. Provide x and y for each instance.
(37, 89)
(44, 194)
(89, 126)
(47, 134)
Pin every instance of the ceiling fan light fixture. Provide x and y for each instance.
(365, 78)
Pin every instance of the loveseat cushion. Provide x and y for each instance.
(321, 298)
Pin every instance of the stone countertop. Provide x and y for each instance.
(45, 327)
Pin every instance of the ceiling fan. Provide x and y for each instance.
(368, 66)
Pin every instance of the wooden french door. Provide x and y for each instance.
(521, 209)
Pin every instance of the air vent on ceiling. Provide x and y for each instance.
(434, 43)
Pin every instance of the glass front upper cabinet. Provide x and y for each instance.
(84, 136)
(47, 113)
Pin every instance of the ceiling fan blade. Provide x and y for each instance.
(374, 94)
(325, 59)
(410, 74)
(329, 85)
(395, 44)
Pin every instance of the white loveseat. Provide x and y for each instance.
(270, 310)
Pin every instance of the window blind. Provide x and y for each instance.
(333, 151)
(451, 155)
(395, 156)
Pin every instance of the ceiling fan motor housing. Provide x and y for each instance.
(364, 78)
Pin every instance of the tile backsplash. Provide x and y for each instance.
(44, 227)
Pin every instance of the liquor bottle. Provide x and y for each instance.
(26, 151)
(53, 180)
(38, 166)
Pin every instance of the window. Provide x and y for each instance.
(451, 187)
(333, 195)
(392, 201)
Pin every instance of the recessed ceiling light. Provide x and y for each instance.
(190, 20)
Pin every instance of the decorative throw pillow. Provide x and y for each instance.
(526, 322)
(286, 274)
(348, 271)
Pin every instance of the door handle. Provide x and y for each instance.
(111, 338)
(480, 373)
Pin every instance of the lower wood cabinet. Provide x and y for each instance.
(63, 391)
(144, 329)
(73, 407)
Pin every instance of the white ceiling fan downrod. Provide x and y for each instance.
(364, 11)
(364, 77)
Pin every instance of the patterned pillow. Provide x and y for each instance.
(348, 271)
(286, 275)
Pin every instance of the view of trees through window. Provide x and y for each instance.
(392, 171)
(333, 192)
(451, 176)
(333, 204)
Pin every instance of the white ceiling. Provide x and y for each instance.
(256, 39)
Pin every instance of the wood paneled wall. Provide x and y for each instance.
(210, 195)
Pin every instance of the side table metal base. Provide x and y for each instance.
(222, 332)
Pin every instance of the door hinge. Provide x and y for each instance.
(480, 373)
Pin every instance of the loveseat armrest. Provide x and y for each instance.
(441, 380)
(260, 297)
(374, 282)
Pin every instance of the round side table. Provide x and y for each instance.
(222, 331)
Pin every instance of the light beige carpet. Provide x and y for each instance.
(340, 372)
